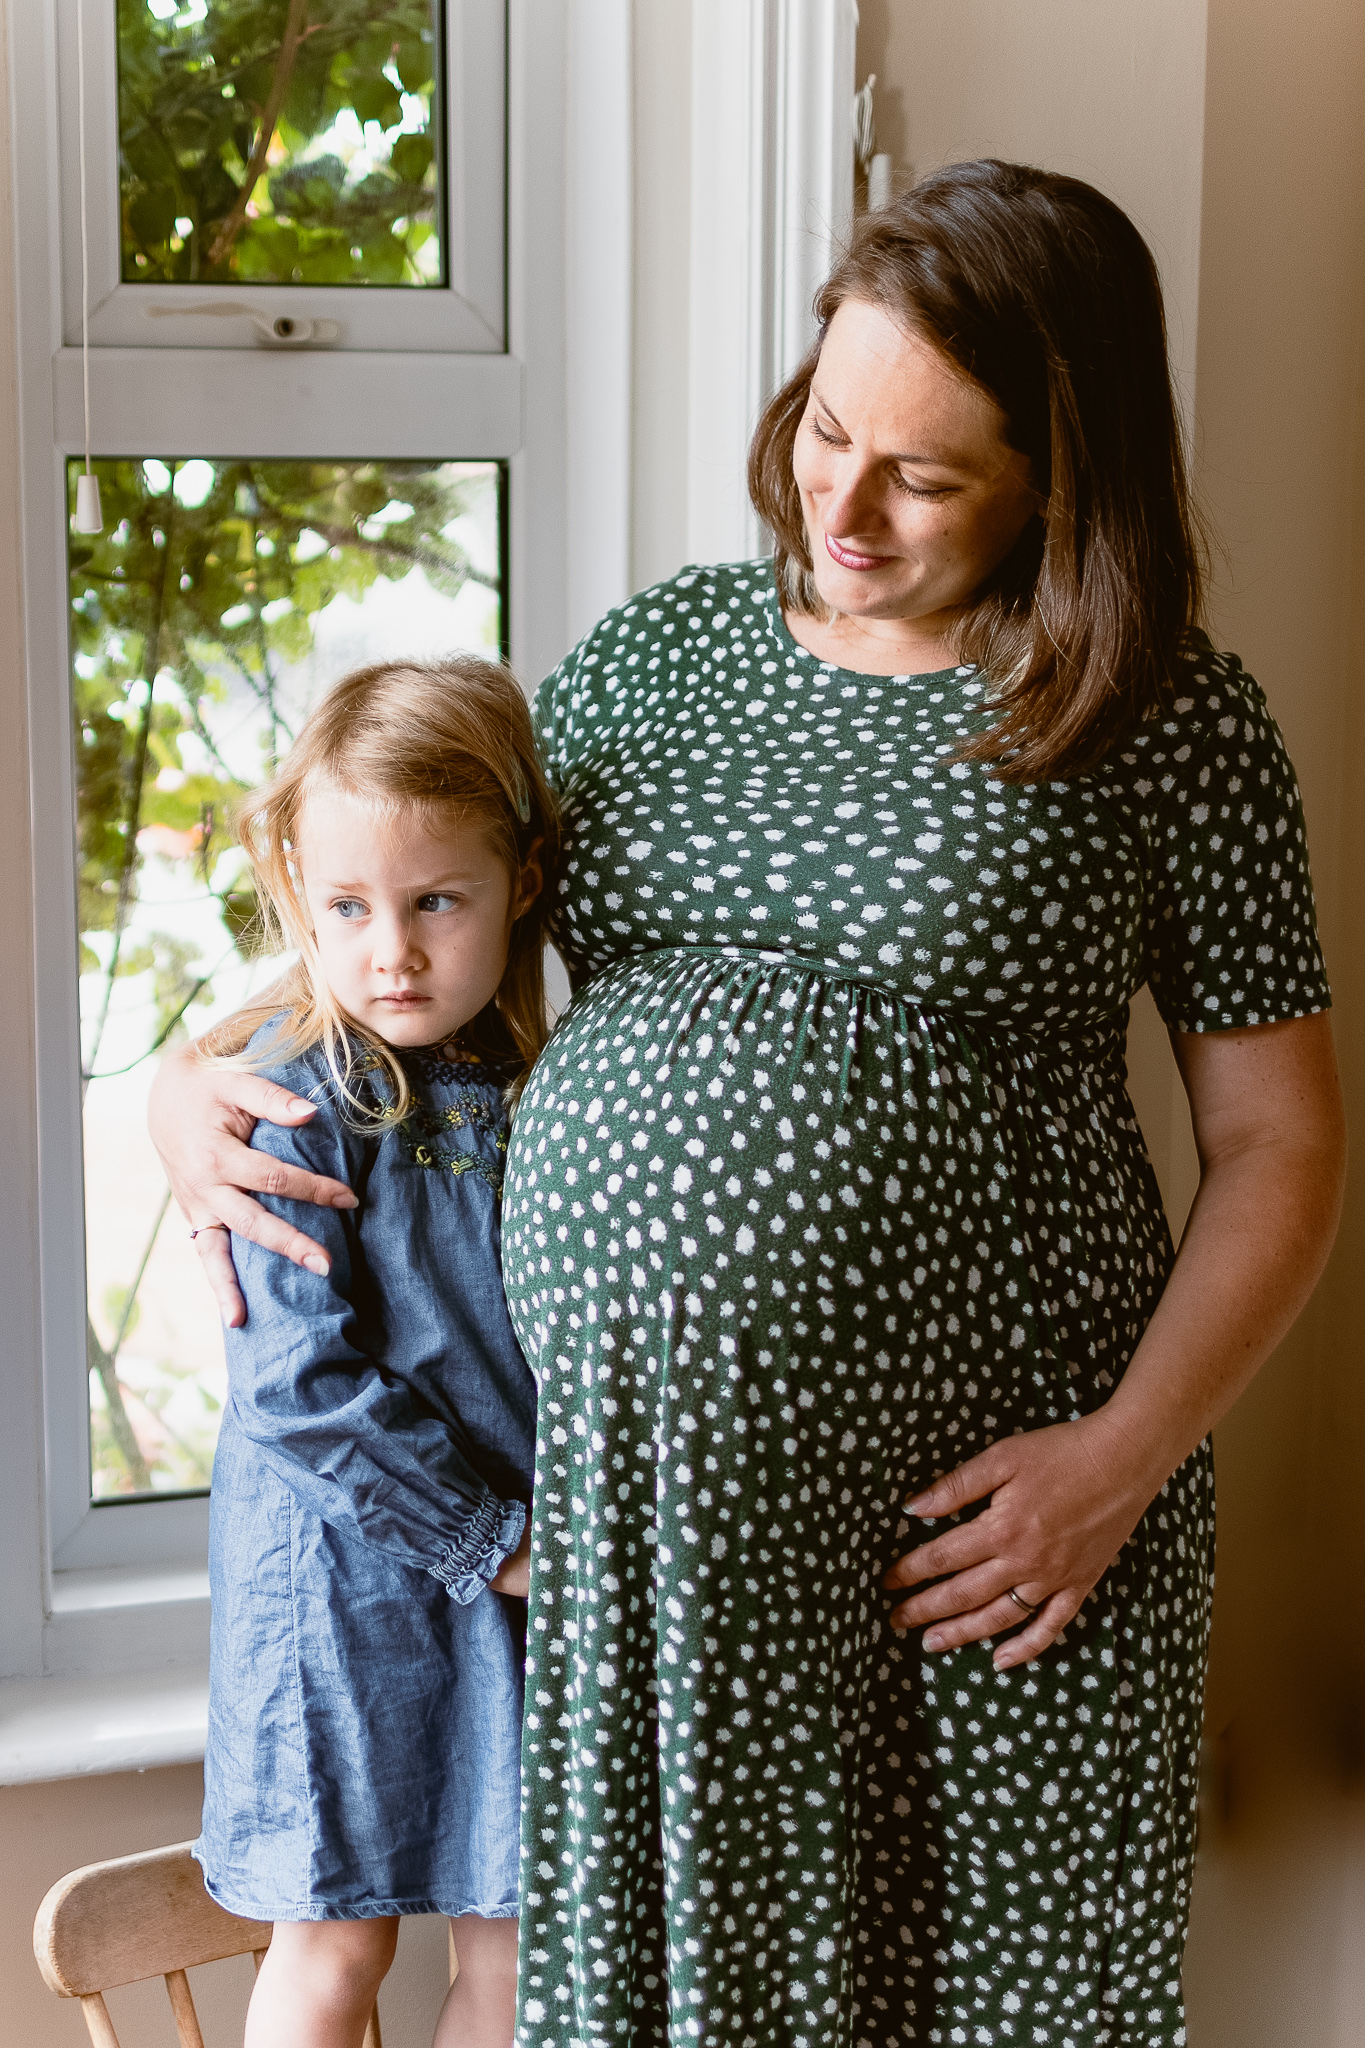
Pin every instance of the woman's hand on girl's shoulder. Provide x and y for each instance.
(513, 1575)
(201, 1115)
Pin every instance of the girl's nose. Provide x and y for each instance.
(393, 951)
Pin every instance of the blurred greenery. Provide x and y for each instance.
(280, 141)
(208, 574)
(196, 602)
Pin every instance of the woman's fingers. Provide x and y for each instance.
(956, 1490)
(1040, 1633)
(214, 1246)
(239, 1166)
(201, 1118)
(957, 1550)
(248, 1219)
(1001, 1617)
(265, 1101)
(963, 1593)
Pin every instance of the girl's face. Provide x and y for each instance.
(910, 492)
(412, 918)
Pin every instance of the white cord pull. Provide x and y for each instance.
(89, 518)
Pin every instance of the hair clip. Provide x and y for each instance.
(521, 796)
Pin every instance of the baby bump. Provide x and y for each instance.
(754, 1156)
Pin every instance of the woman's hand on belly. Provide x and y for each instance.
(1063, 1501)
(1266, 1108)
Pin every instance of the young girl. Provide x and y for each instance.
(370, 1539)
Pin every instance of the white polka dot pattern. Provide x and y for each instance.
(828, 1180)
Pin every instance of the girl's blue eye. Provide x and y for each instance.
(349, 907)
(437, 903)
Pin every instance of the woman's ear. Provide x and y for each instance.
(530, 881)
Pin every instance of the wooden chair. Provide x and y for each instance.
(137, 1917)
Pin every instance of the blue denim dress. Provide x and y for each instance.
(373, 1470)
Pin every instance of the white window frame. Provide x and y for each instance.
(466, 313)
(771, 203)
(121, 1586)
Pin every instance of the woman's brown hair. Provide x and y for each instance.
(448, 740)
(1042, 291)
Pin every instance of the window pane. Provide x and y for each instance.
(280, 141)
(221, 598)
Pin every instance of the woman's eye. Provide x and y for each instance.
(831, 440)
(914, 490)
(437, 903)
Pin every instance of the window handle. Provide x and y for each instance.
(286, 330)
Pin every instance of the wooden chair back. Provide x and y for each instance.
(137, 1917)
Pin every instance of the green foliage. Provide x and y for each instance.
(190, 614)
(349, 190)
(119, 1312)
(174, 602)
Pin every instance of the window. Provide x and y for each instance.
(281, 144)
(307, 457)
(221, 597)
(399, 433)
(336, 166)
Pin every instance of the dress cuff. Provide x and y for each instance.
(493, 1533)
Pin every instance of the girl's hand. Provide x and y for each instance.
(513, 1575)
(201, 1117)
(1063, 1501)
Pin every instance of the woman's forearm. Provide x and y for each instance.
(1256, 1243)
(1253, 1250)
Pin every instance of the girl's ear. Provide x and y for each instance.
(530, 881)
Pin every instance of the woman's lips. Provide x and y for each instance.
(852, 558)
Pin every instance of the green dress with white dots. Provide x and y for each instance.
(828, 1179)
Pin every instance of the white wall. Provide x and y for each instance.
(1278, 1954)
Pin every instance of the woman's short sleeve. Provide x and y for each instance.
(566, 707)
(1232, 936)
(550, 709)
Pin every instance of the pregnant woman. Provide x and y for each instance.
(873, 1509)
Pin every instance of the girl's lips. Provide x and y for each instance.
(850, 558)
(407, 1001)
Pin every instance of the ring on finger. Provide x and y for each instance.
(200, 1229)
(1024, 1606)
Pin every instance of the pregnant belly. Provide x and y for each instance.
(821, 1169)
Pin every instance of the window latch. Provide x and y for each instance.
(286, 330)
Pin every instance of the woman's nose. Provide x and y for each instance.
(853, 505)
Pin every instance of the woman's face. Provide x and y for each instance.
(910, 492)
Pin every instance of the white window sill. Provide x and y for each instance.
(125, 1658)
(126, 1618)
(83, 1727)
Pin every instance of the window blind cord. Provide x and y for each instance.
(89, 516)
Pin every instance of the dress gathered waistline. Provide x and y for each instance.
(1061, 1036)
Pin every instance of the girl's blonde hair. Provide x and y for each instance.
(450, 740)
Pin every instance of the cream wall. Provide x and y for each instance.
(46, 1830)
(1231, 132)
